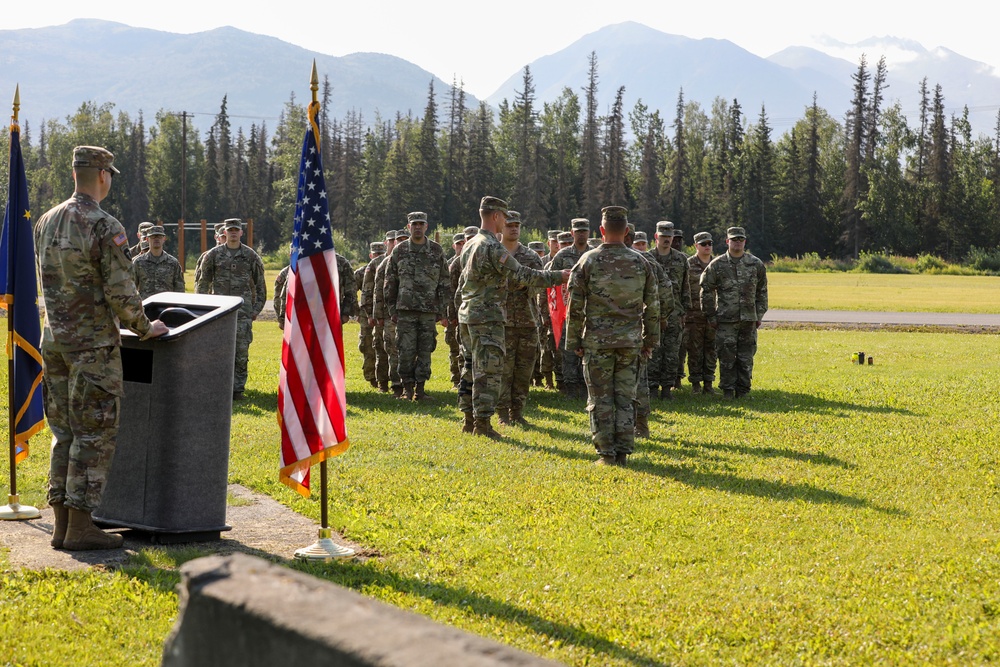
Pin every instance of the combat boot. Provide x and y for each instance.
(549, 384)
(621, 459)
(695, 387)
(728, 394)
(504, 416)
(469, 424)
(677, 383)
(397, 390)
(665, 393)
(606, 460)
(83, 535)
(419, 394)
(61, 513)
(383, 387)
(373, 383)
(708, 389)
(485, 428)
(407, 394)
(641, 426)
(517, 418)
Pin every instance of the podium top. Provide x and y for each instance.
(186, 312)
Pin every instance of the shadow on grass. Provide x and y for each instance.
(361, 575)
(771, 400)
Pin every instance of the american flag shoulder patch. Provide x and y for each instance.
(120, 239)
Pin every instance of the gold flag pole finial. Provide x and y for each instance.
(17, 100)
(314, 82)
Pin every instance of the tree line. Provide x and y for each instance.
(873, 182)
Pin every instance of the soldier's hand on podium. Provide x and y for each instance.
(158, 328)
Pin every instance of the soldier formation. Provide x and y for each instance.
(633, 314)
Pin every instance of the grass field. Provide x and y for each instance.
(843, 515)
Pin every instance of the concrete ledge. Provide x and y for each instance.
(242, 610)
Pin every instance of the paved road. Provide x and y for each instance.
(861, 317)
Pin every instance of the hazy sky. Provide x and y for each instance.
(484, 43)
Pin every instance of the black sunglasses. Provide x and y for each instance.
(704, 243)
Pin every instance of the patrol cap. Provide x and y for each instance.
(664, 228)
(458, 238)
(614, 214)
(631, 228)
(470, 231)
(736, 233)
(565, 237)
(701, 237)
(376, 248)
(678, 232)
(416, 216)
(220, 228)
(537, 246)
(144, 227)
(640, 237)
(552, 235)
(233, 223)
(577, 224)
(402, 234)
(94, 156)
(493, 204)
(513, 216)
(155, 230)
(390, 235)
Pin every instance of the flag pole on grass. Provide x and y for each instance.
(19, 297)
(312, 401)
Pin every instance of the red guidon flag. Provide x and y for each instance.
(557, 311)
(312, 402)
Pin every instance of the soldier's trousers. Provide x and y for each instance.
(551, 357)
(381, 358)
(391, 353)
(244, 336)
(642, 406)
(82, 393)
(366, 346)
(736, 345)
(681, 352)
(663, 365)
(700, 348)
(454, 351)
(521, 346)
(416, 338)
(611, 377)
(572, 365)
(483, 369)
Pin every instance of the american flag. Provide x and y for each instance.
(312, 403)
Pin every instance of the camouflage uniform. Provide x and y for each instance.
(416, 294)
(366, 333)
(486, 265)
(348, 289)
(614, 311)
(572, 382)
(153, 275)
(665, 298)
(734, 297)
(88, 290)
(663, 365)
(220, 229)
(451, 333)
(520, 339)
(142, 246)
(380, 362)
(386, 366)
(238, 272)
(700, 336)
(280, 292)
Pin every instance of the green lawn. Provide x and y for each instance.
(884, 292)
(845, 515)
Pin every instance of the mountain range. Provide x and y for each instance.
(58, 68)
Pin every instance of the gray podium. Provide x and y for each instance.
(170, 470)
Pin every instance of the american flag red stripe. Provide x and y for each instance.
(312, 398)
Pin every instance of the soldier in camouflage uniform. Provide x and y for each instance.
(88, 290)
(280, 292)
(388, 326)
(572, 383)
(734, 300)
(157, 271)
(416, 295)
(665, 298)
(537, 379)
(451, 331)
(486, 267)
(143, 244)
(520, 329)
(220, 239)
(375, 307)
(614, 315)
(699, 336)
(678, 245)
(235, 269)
(663, 365)
(366, 334)
(455, 272)
(552, 363)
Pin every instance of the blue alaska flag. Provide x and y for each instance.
(19, 294)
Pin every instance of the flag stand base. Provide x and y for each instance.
(15, 511)
(324, 549)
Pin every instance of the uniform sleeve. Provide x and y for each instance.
(368, 290)
(280, 284)
(259, 285)
(348, 289)
(116, 271)
(443, 289)
(709, 287)
(178, 281)
(685, 289)
(391, 288)
(204, 274)
(761, 299)
(650, 310)
(577, 308)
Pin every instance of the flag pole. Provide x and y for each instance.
(324, 548)
(13, 510)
